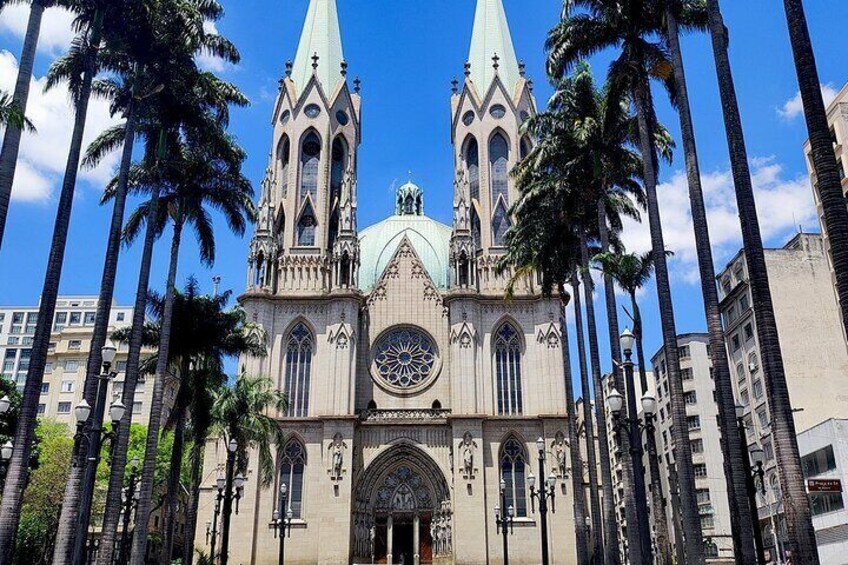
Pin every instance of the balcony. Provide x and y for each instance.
(405, 415)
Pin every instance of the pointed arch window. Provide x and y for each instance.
(298, 371)
(472, 163)
(283, 157)
(306, 226)
(310, 158)
(499, 165)
(475, 228)
(513, 473)
(500, 224)
(292, 467)
(508, 370)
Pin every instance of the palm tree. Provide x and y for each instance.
(241, 413)
(629, 27)
(200, 178)
(827, 181)
(632, 272)
(11, 115)
(740, 512)
(90, 22)
(796, 503)
(119, 54)
(12, 138)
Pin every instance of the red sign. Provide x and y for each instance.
(824, 485)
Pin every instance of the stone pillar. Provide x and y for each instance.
(389, 536)
(416, 542)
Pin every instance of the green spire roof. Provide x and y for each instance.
(321, 37)
(491, 37)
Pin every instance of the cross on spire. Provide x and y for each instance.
(495, 63)
(315, 58)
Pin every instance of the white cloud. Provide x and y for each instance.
(56, 27)
(782, 205)
(210, 62)
(43, 155)
(794, 107)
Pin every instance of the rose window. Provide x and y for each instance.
(404, 357)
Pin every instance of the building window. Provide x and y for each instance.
(690, 397)
(121, 366)
(686, 374)
(76, 319)
(67, 386)
(694, 422)
(298, 371)
(702, 495)
(824, 502)
(472, 163)
(89, 319)
(45, 388)
(42, 408)
(61, 320)
(818, 462)
(753, 362)
(683, 352)
(499, 165)
(283, 156)
(740, 372)
(508, 370)
(74, 344)
(697, 445)
(707, 521)
(306, 227)
(762, 415)
(309, 163)
(500, 224)
(63, 408)
(120, 317)
(736, 343)
(137, 407)
(749, 332)
(71, 365)
(768, 450)
(513, 468)
(700, 470)
(291, 473)
(744, 398)
(758, 389)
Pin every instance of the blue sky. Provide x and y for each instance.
(406, 53)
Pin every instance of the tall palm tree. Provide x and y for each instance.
(828, 184)
(12, 137)
(632, 272)
(693, 11)
(11, 115)
(200, 179)
(796, 503)
(90, 21)
(241, 413)
(628, 26)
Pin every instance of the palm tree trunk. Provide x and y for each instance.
(828, 185)
(193, 497)
(172, 494)
(683, 451)
(636, 498)
(796, 503)
(17, 471)
(663, 556)
(12, 139)
(606, 537)
(112, 513)
(139, 546)
(577, 486)
(73, 489)
(740, 513)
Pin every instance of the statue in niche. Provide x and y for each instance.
(337, 448)
(467, 448)
(559, 447)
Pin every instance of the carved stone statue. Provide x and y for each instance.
(337, 449)
(559, 448)
(467, 448)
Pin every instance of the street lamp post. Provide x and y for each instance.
(212, 527)
(89, 437)
(130, 499)
(282, 522)
(634, 427)
(232, 493)
(546, 491)
(504, 521)
(752, 476)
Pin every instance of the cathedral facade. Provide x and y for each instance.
(416, 392)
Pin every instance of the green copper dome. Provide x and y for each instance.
(378, 243)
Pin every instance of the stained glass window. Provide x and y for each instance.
(499, 162)
(513, 463)
(405, 357)
(508, 370)
(310, 159)
(500, 224)
(298, 371)
(472, 161)
(291, 473)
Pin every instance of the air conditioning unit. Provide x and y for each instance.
(753, 367)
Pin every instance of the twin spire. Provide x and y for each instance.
(492, 51)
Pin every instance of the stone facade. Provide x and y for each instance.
(413, 386)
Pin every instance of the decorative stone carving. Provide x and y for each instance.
(336, 451)
(467, 448)
(559, 447)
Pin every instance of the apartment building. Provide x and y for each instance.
(705, 440)
(70, 343)
(814, 352)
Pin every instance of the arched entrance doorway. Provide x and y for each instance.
(402, 513)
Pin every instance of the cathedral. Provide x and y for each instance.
(419, 399)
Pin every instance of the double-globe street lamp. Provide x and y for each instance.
(88, 439)
(281, 522)
(634, 426)
(504, 521)
(233, 486)
(546, 491)
(754, 481)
